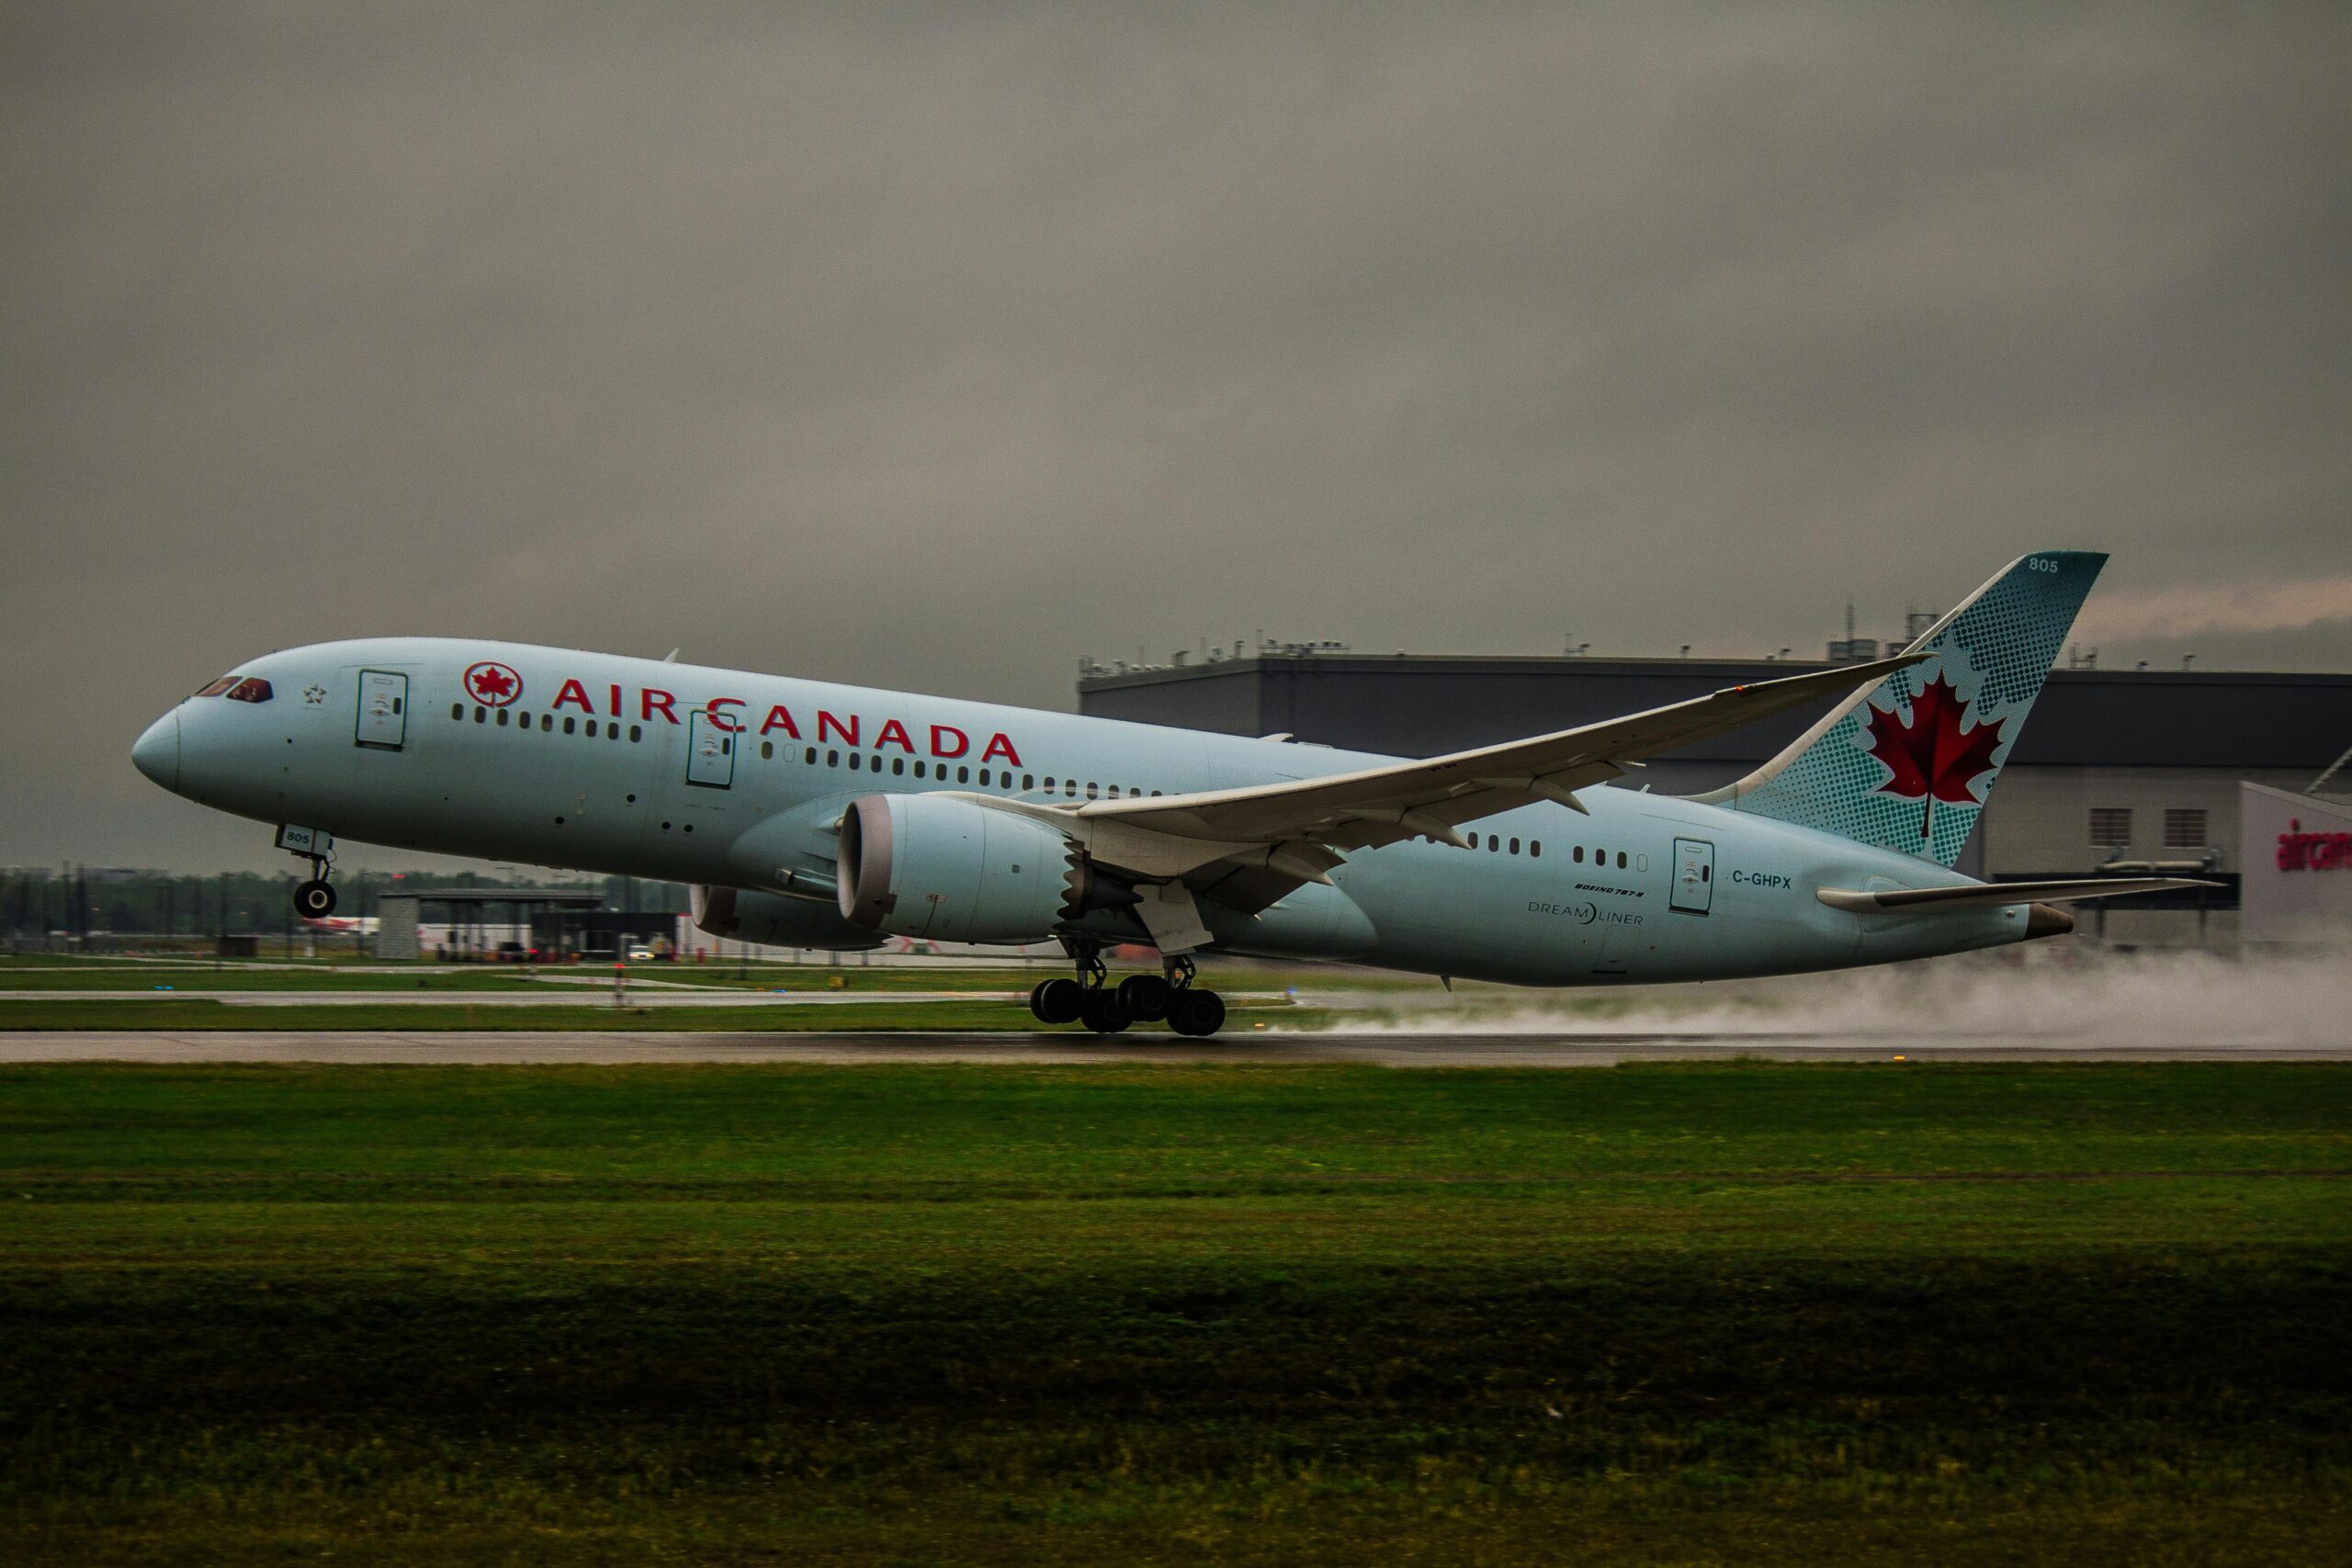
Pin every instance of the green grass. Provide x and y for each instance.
(1726, 1313)
(197, 1013)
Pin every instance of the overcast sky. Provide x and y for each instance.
(935, 346)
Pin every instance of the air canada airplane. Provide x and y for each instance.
(812, 814)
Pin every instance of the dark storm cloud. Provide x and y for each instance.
(937, 346)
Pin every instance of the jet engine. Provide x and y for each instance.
(926, 865)
(770, 919)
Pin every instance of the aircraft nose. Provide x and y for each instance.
(157, 753)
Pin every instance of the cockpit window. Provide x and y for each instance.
(252, 689)
(219, 686)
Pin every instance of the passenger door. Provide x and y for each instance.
(383, 710)
(1694, 876)
(710, 752)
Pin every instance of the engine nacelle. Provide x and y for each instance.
(770, 919)
(925, 865)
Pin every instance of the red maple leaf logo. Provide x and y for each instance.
(1932, 758)
(492, 683)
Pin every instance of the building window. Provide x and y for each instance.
(2110, 826)
(2184, 827)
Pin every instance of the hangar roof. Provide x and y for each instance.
(1420, 704)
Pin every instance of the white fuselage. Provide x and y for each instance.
(685, 773)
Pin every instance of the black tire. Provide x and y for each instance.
(1034, 992)
(1146, 997)
(1197, 1013)
(1059, 1001)
(1103, 1014)
(314, 901)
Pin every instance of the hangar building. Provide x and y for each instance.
(2113, 765)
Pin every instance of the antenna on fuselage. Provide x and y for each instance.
(671, 657)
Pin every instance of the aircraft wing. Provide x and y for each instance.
(1305, 826)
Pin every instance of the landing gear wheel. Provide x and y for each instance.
(1034, 992)
(1196, 1013)
(1059, 1001)
(1103, 1014)
(314, 900)
(1146, 997)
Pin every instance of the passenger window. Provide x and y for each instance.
(833, 758)
(767, 751)
(1049, 783)
(502, 718)
(1514, 846)
(1576, 855)
(482, 716)
(810, 757)
(251, 690)
(525, 721)
(1534, 849)
(1620, 860)
(898, 765)
(1069, 788)
(1114, 792)
(1093, 791)
(457, 710)
(1028, 781)
(964, 775)
(547, 724)
(919, 767)
(856, 761)
(636, 733)
(571, 725)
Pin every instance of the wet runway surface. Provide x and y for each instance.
(1434, 1049)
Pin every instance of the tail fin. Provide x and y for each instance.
(1909, 763)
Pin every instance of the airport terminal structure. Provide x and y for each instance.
(2116, 769)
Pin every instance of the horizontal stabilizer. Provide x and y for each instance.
(1984, 895)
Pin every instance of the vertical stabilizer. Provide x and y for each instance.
(1909, 763)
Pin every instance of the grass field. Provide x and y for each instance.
(1696, 1314)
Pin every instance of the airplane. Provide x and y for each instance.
(806, 814)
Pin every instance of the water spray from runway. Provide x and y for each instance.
(2070, 999)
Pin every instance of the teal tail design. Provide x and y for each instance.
(1909, 763)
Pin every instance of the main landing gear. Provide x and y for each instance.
(1091, 998)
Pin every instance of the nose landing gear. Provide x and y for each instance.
(1091, 999)
(314, 900)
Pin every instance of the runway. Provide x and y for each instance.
(1599, 1048)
